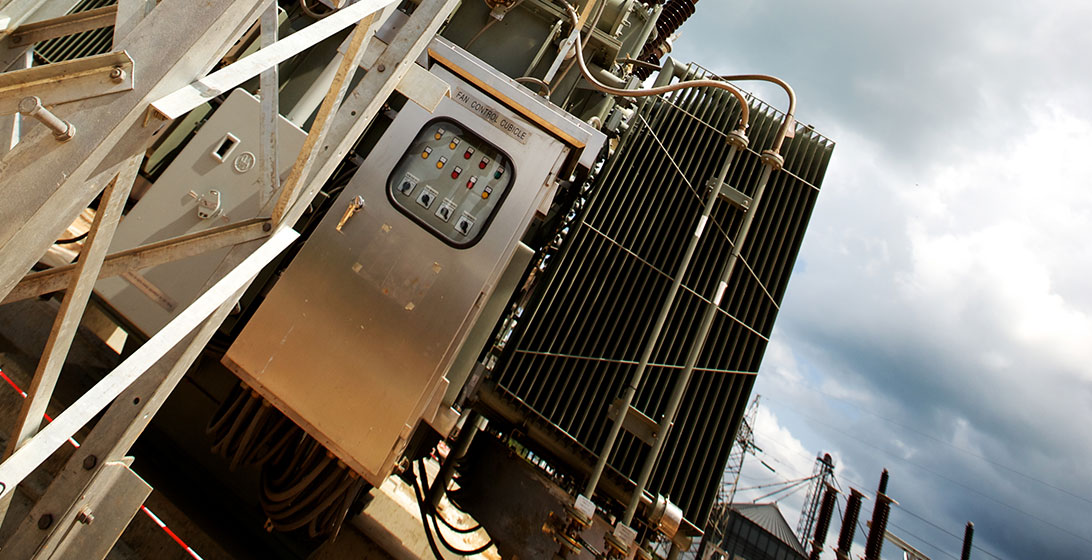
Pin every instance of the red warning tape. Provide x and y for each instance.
(174, 536)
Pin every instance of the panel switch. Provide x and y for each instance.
(427, 197)
(409, 182)
(446, 209)
(465, 223)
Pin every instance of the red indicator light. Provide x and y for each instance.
(484, 162)
(455, 173)
(469, 152)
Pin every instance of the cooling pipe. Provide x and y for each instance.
(738, 141)
(771, 161)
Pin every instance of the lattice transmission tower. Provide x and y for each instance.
(744, 444)
(823, 472)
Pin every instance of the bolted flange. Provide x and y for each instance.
(773, 159)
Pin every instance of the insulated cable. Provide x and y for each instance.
(745, 109)
(312, 13)
(434, 530)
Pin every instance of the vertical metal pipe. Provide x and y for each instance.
(471, 425)
(823, 523)
(312, 98)
(738, 140)
(849, 523)
(968, 536)
(546, 42)
(770, 161)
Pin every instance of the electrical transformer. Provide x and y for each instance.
(568, 278)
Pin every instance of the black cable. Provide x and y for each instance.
(436, 513)
(424, 522)
(70, 240)
(455, 529)
(422, 505)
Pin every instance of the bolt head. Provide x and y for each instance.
(89, 462)
(45, 521)
(117, 74)
(381, 68)
(85, 516)
(30, 105)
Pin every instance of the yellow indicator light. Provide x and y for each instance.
(439, 133)
(425, 154)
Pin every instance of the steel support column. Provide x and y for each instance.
(47, 184)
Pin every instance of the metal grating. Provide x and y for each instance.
(580, 336)
(77, 45)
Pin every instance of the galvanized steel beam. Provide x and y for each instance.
(30, 33)
(137, 388)
(145, 256)
(65, 82)
(48, 184)
(82, 281)
(10, 54)
(188, 97)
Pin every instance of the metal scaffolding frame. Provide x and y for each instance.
(158, 71)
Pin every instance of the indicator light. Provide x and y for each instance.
(484, 162)
(473, 181)
(469, 152)
(488, 191)
(439, 133)
(455, 172)
(498, 173)
(441, 162)
(426, 153)
(454, 143)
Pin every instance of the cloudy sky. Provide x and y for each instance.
(939, 321)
